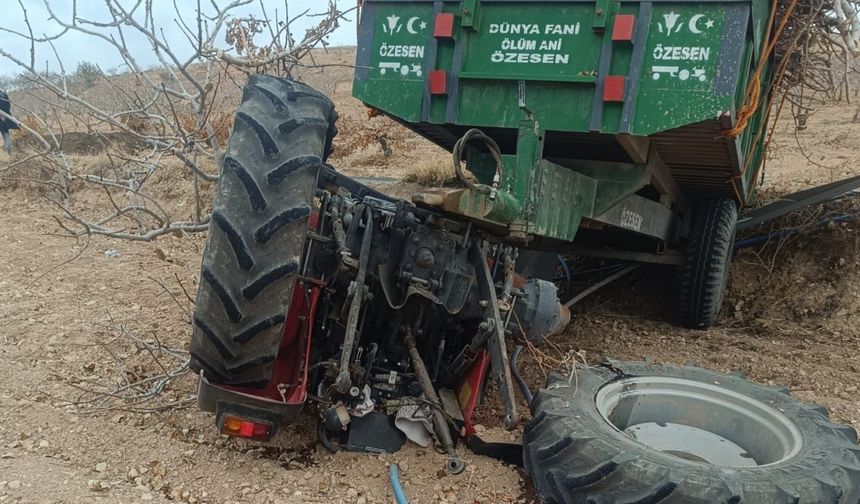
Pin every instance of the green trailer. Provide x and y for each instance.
(629, 130)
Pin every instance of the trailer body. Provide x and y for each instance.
(609, 115)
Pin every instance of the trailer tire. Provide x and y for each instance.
(281, 137)
(705, 273)
(576, 451)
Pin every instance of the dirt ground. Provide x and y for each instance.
(67, 312)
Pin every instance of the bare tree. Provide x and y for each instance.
(148, 117)
(816, 44)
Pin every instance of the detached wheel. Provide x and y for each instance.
(641, 433)
(281, 137)
(704, 275)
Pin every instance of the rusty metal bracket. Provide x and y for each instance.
(469, 11)
(601, 13)
(343, 382)
(501, 370)
(455, 464)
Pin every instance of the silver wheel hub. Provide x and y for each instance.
(699, 422)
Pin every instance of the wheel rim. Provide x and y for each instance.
(699, 422)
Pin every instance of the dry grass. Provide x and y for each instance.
(30, 122)
(221, 123)
(136, 123)
(433, 171)
(361, 135)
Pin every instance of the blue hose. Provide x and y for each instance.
(750, 242)
(394, 476)
(756, 240)
(567, 275)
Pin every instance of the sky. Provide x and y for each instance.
(76, 47)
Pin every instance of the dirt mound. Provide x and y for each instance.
(808, 278)
(88, 144)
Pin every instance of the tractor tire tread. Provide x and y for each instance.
(703, 277)
(281, 137)
(574, 455)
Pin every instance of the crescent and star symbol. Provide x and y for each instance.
(694, 24)
(410, 25)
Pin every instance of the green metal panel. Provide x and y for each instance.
(502, 110)
(537, 70)
(517, 42)
(556, 197)
(562, 50)
(564, 197)
(680, 67)
(394, 73)
(617, 180)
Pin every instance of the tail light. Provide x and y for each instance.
(246, 428)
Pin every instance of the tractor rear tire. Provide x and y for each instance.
(281, 137)
(580, 446)
(705, 273)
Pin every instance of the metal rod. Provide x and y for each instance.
(515, 369)
(501, 373)
(312, 234)
(508, 284)
(608, 280)
(339, 233)
(343, 382)
(455, 464)
(439, 353)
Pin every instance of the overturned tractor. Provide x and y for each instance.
(391, 317)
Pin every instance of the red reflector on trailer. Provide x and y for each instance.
(444, 25)
(613, 88)
(622, 30)
(438, 82)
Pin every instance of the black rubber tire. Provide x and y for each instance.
(281, 137)
(574, 455)
(703, 277)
